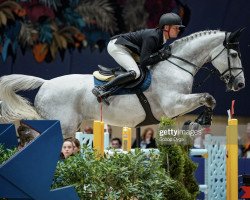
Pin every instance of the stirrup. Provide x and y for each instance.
(98, 92)
(101, 97)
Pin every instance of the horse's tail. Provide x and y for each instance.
(14, 107)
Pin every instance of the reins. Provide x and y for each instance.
(228, 79)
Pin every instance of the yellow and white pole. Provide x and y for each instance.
(98, 129)
(232, 160)
(126, 139)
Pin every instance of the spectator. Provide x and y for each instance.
(116, 143)
(108, 129)
(88, 130)
(199, 139)
(26, 135)
(77, 146)
(67, 149)
(246, 143)
(147, 140)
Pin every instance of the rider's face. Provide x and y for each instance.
(174, 31)
(171, 31)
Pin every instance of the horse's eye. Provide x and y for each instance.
(234, 55)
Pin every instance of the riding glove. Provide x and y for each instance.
(164, 53)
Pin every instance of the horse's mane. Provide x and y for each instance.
(193, 36)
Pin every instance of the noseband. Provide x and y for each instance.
(229, 78)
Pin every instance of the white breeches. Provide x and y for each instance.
(122, 56)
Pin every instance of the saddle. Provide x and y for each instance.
(106, 74)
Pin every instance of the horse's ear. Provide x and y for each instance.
(234, 36)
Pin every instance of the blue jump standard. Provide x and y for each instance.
(8, 136)
(29, 173)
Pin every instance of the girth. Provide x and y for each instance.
(149, 119)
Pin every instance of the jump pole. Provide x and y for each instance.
(98, 130)
(126, 139)
(232, 160)
(98, 141)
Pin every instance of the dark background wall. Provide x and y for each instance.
(226, 15)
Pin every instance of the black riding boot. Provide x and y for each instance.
(121, 79)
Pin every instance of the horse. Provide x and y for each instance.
(69, 98)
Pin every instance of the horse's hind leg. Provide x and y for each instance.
(188, 102)
(67, 116)
(69, 126)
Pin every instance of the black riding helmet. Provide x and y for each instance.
(170, 19)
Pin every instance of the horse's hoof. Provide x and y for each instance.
(210, 101)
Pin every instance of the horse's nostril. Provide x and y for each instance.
(240, 85)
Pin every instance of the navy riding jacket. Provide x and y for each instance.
(144, 43)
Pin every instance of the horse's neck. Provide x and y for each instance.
(197, 48)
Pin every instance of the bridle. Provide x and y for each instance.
(226, 78)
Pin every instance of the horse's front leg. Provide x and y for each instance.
(186, 103)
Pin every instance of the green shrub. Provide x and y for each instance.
(177, 163)
(122, 176)
(165, 121)
(5, 154)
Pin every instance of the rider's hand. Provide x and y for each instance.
(164, 53)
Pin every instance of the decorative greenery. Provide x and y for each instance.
(165, 121)
(121, 176)
(98, 12)
(181, 168)
(40, 25)
(36, 24)
(177, 163)
(169, 176)
(5, 154)
(135, 15)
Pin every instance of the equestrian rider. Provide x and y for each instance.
(147, 43)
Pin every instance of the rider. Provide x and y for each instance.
(147, 43)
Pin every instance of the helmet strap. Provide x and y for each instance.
(164, 30)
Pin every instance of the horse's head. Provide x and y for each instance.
(227, 59)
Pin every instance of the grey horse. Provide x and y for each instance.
(69, 98)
